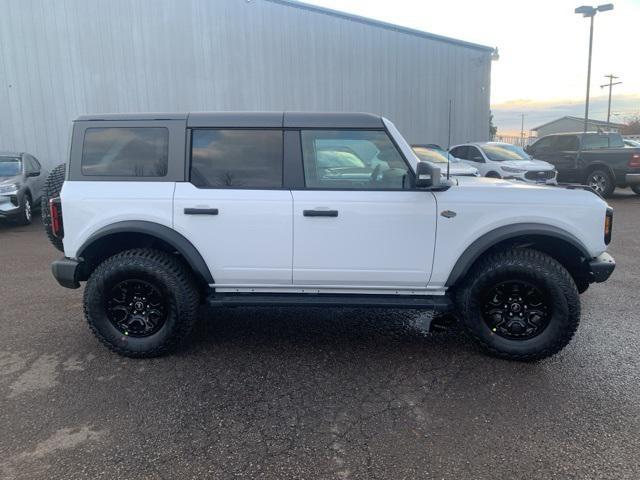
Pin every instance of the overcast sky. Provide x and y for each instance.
(543, 49)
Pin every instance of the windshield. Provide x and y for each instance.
(431, 154)
(502, 152)
(10, 166)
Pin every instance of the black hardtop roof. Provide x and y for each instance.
(251, 119)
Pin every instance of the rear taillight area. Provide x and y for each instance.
(635, 160)
(55, 210)
(608, 226)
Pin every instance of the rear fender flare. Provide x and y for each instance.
(161, 232)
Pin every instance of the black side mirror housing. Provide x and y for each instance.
(427, 175)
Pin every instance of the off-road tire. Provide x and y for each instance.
(538, 269)
(161, 269)
(636, 189)
(52, 188)
(609, 183)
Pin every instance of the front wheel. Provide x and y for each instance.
(636, 189)
(141, 302)
(26, 212)
(520, 304)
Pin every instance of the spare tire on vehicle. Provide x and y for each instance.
(52, 188)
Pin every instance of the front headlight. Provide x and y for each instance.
(11, 189)
(513, 170)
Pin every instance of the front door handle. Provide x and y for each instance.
(320, 213)
(201, 211)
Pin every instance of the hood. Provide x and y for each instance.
(532, 164)
(459, 168)
(10, 180)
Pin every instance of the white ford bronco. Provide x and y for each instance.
(159, 213)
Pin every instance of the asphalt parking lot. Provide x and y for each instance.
(316, 393)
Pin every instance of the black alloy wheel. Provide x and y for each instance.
(516, 310)
(136, 308)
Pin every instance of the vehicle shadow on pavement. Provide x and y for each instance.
(322, 330)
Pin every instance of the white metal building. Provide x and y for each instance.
(65, 58)
(569, 124)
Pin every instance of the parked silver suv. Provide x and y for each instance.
(21, 182)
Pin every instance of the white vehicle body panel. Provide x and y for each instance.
(89, 206)
(483, 204)
(248, 243)
(369, 243)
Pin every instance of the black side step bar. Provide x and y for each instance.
(433, 302)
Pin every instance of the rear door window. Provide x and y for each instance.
(616, 141)
(594, 142)
(474, 155)
(234, 158)
(125, 152)
(461, 152)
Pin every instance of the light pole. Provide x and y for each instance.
(590, 12)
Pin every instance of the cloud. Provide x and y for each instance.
(507, 115)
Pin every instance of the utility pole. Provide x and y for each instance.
(522, 131)
(611, 83)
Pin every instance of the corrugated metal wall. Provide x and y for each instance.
(69, 57)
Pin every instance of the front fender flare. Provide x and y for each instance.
(486, 241)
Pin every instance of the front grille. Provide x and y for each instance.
(539, 175)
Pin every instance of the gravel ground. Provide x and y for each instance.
(313, 393)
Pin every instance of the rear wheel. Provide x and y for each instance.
(520, 305)
(141, 303)
(601, 181)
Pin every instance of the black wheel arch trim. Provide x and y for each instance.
(161, 232)
(507, 232)
(597, 165)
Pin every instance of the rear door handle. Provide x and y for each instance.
(201, 211)
(320, 213)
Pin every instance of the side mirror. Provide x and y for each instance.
(33, 174)
(527, 148)
(427, 175)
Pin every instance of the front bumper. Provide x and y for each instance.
(523, 177)
(8, 208)
(632, 179)
(66, 271)
(601, 267)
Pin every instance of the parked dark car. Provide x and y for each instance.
(21, 182)
(599, 160)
